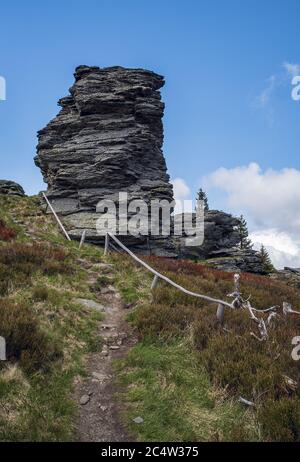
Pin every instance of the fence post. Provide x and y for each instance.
(237, 279)
(82, 239)
(154, 282)
(221, 314)
(106, 244)
(2, 349)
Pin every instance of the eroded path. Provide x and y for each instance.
(98, 417)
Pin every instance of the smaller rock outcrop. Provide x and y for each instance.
(290, 276)
(247, 261)
(11, 188)
(220, 248)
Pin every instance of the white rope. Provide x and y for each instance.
(57, 219)
(165, 278)
(82, 239)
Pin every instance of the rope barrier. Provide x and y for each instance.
(237, 302)
(166, 279)
(57, 219)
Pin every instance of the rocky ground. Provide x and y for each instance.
(99, 413)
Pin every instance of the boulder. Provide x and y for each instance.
(11, 188)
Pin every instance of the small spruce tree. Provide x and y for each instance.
(245, 242)
(201, 196)
(266, 260)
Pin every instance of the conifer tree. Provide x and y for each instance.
(245, 242)
(201, 196)
(265, 260)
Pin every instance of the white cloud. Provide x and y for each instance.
(182, 193)
(271, 197)
(270, 200)
(291, 69)
(264, 98)
(181, 189)
(282, 249)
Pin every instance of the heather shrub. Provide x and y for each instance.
(19, 262)
(40, 294)
(25, 341)
(260, 371)
(242, 366)
(280, 420)
(164, 321)
(6, 233)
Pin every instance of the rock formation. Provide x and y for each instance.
(220, 247)
(11, 188)
(106, 139)
(290, 276)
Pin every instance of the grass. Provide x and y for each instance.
(185, 374)
(172, 392)
(48, 335)
(130, 280)
(184, 361)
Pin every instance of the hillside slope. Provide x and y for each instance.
(48, 331)
(186, 374)
(183, 377)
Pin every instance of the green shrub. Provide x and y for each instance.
(40, 294)
(280, 420)
(234, 359)
(19, 262)
(163, 321)
(129, 294)
(25, 341)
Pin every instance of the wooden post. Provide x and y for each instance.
(237, 278)
(106, 244)
(154, 282)
(221, 314)
(82, 239)
(57, 219)
(2, 349)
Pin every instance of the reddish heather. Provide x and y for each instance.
(6, 233)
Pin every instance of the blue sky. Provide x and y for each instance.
(227, 94)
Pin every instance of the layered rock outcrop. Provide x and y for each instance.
(221, 244)
(11, 188)
(106, 139)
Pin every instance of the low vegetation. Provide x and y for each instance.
(187, 373)
(47, 334)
